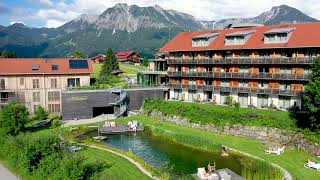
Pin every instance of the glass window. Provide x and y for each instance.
(73, 82)
(54, 108)
(54, 83)
(21, 81)
(192, 95)
(2, 84)
(54, 96)
(36, 96)
(192, 81)
(35, 83)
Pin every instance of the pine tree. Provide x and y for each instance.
(107, 68)
(312, 95)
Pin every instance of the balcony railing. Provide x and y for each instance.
(273, 76)
(235, 89)
(261, 60)
(4, 100)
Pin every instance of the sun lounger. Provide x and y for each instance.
(313, 165)
(112, 124)
(202, 174)
(276, 151)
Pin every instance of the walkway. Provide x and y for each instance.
(88, 121)
(6, 174)
(142, 169)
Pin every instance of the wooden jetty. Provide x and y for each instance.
(120, 128)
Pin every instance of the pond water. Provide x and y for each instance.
(179, 160)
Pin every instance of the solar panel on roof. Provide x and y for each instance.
(78, 64)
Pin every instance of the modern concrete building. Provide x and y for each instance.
(39, 81)
(156, 73)
(261, 66)
(83, 104)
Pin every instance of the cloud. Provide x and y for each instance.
(58, 12)
(4, 9)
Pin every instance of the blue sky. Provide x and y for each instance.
(53, 13)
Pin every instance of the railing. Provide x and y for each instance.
(275, 76)
(235, 89)
(261, 60)
(4, 100)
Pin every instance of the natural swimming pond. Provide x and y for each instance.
(181, 160)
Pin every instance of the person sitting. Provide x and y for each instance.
(211, 168)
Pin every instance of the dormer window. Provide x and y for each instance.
(203, 39)
(280, 35)
(238, 38)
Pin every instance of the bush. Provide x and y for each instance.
(13, 118)
(42, 156)
(229, 100)
(41, 114)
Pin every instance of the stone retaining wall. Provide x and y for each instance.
(259, 133)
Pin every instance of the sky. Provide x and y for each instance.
(54, 13)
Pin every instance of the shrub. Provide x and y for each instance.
(229, 100)
(13, 118)
(41, 113)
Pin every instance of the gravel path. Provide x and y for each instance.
(5, 174)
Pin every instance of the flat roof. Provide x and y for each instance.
(279, 30)
(240, 33)
(206, 35)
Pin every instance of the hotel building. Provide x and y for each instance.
(255, 65)
(40, 81)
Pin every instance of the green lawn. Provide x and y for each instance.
(128, 69)
(116, 166)
(292, 160)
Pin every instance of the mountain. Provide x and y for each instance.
(277, 15)
(122, 27)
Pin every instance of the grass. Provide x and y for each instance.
(222, 115)
(291, 160)
(128, 69)
(116, 168)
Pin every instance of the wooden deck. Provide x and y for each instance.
(120, 128)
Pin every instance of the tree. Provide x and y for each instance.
(312, 95)
(109, 65)
(77, 54)
(41, 113)
(7, 54)
(13, 118)
(145, 61)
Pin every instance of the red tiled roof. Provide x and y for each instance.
(16, 66)
(124, 54)
(304, 35)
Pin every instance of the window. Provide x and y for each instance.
(21, 97)
(193, 68)
(192, 81)
(285, 70)
(285, 87)
(54, 67)
(73, 82)
(35, 107)
(225, 83)
(243, 83)
(35, 83)
(192, 95)
(243, 69)
(54, 83)
(235, 40)
(263, 84)
(21, 81)
(263, 70)
(262, 100)
(36, 96)
(2, 84)
(276, 38)
(177, 94)
(54, 96)
(54, 108)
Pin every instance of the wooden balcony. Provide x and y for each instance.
(230, 75)
(261, 60)
(248, 90)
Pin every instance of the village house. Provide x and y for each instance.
(128, 57)
(40, 81)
